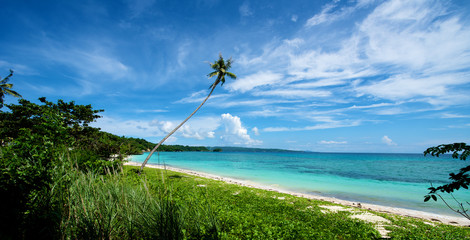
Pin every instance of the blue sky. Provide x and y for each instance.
(330, 76)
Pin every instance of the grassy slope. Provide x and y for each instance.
(238, 212)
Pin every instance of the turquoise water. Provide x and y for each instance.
(396, 180)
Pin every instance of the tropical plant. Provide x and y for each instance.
(5, 88)
(220, 68)
(461, 179)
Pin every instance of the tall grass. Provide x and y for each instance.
(124, 206)
(108, 207)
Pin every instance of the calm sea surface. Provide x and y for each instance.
(397, 180)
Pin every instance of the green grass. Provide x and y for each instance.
(163, 204)
(239, 212)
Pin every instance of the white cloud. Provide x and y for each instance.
(255, 80)
(235, 133)
(388, 141)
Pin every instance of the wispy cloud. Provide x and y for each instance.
(254, 80)
(402, 50)
(388, 141)
(324, 16)
(331, 12)
(87, 62)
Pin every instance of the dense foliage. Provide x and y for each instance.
(459, 180)
(5, 88)
(34, 141)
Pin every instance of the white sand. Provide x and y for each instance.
(384, 209)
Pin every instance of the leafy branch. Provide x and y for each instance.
(460, 180)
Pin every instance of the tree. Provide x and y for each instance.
(5, 88)
(220, 68)
(461, 179)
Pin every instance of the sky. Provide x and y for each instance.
(327, 76)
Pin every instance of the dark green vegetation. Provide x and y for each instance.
(44, 148)
(35, 140)
(220, 68)
(5, 88)
(460, 180)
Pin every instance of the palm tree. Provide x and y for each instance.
(5, 88)
(220, 68)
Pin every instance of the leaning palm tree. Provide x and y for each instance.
(220, 68)
(5, 88)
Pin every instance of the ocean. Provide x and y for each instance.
(395, 180)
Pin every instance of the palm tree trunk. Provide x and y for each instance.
(174, 130)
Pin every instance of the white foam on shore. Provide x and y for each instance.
(461, 221)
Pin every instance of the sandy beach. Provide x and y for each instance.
(461, 221)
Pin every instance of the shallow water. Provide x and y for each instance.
(396, 180)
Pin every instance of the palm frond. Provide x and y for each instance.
(6, 85)
(7, 78)
(212, 74)
(231, 75)
(11, 92)
(228, 64)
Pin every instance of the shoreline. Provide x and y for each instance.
(451, 220)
